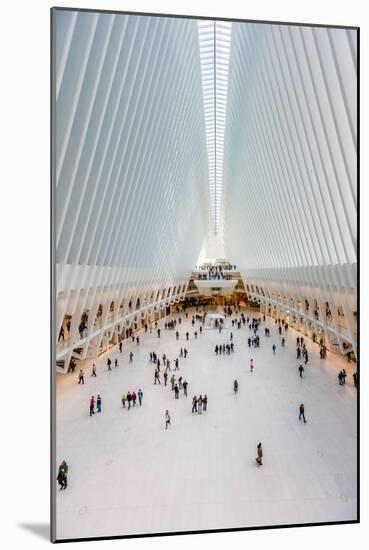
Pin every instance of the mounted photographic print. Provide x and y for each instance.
(204, 274)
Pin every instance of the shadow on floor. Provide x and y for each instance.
(42, 530)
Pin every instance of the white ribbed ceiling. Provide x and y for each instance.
(144, 171)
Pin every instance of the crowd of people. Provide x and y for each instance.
(179, 385)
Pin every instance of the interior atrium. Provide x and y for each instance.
(206, 173)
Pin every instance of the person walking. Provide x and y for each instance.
(167, 419)
(116, 363)
(340, 381)
(123, 399)
(98, 403)
(120, 347)
(181, 353)
(165, 378)
(172, 381)
(129, 399)
(259, 458)
(93, 370)
(185, 385)
(156, 376)
(138, 340)
(176, 363)
(302, 412)
(343, 377)
(176, 391)
(194, 404)
(81, 377)
(274, 348)
(140, 397)
(251, 366)
(301, 370)
(235, 387)
(92, 405)
(187, 335)
(134, 397)
(185, 352)
(108, 362)
(130, 357)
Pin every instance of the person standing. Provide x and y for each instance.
(92, 405)
(116, 363)
(81, 377)
(176, 363)
(134, 397)
(63, 475)
(259, 458)
(108, 362)
(167, 419)
(199, 405)
(123, 399)
(235, 387)
(185, 385)
(302, 412)
(140, 397)
(158, 332)
(343, 377)
(274, 348)
(185, 352)
(138, 340)
(251, 366)
(176, 391)
(130, 357)
(301, 370)
(165, 378)
(205, 402)
(120, 347)
(93, 370)
(98, 403)
(187, 335)
(181, 353)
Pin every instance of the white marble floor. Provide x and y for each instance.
(128, 475)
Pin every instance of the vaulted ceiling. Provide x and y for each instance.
(137, 102)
